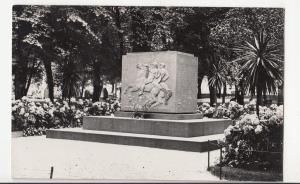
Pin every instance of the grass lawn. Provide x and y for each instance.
(237, 174)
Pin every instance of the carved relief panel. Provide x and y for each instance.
(150, 82)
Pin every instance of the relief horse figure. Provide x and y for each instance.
(151, 79)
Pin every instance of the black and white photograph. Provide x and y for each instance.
(147, 93)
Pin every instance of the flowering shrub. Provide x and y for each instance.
(104, 108)
(206, 110)
(35, 117)
(232, 111)
(235, 111)
(250, 140)
(221, 112)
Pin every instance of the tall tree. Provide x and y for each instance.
(261, 61)
(27, 28)
(192, 36)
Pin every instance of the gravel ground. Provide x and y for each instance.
(32, 157)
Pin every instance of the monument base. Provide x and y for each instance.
(156, 115)
(193, 144)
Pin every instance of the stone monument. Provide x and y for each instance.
(163, 87)
(163, 82)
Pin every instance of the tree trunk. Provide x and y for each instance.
(97, 83)
(236, 92)
(121, 39)
(258, 99)
(219, 92)
(224, 93)
(20, 85)
(81, 93)
(20, 73)
(28, 84)
(212, 96)
(242, 96)
(251, 97)
(113, 88)
(17, 69)
(32, 70)
(239, 94)
(280, 95)
(199, 87)
(82, 87)
(49, 76)
(64, 88)
(264, 98)
(69, 94)
(97, 90)
(116, 90)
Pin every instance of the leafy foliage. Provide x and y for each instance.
(28, 28)
(95, 38)
(239, 24)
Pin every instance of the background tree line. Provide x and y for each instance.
(74, 44)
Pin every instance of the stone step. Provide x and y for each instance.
(164, 127)
(193, 144)
(156, 115)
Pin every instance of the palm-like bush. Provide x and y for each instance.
(71, 79)
(217, 77)
(261, 61)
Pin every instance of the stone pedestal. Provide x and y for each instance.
(159, 82)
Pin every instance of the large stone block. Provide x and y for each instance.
(159, 82)
(194, 144)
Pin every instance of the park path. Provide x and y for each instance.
(32, 157)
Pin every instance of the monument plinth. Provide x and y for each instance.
(163, 86)
(164, 82)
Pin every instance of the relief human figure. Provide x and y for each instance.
(152, 80)
(160, 99)
(153, 84)
(142, 75)
(164, 76)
